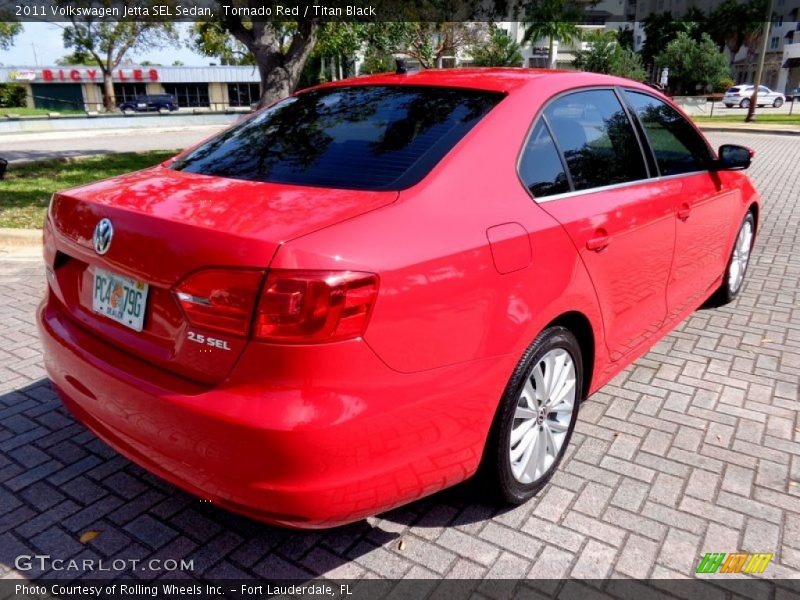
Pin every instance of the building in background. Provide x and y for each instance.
(80, 87)
(782, 62)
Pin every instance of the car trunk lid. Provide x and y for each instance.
(168, 225)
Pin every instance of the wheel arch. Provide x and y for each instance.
(753, 208)
(581, 328)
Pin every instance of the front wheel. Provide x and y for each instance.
(536, 416)
(737, 263)
(778, 102)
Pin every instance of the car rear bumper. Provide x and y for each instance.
(306, 436)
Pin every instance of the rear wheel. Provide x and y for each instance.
(536, 416)
(778, 102)
(745, 103)
(737, 264)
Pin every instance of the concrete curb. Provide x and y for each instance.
(11, 238)
(734, 129)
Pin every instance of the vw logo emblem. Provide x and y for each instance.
(103, 232)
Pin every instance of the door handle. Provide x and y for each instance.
(684, 212)
(599, 242)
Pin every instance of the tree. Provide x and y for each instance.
(109, 42)
(280, 49)
(8, 31)
(606, 55)
(430, 42)
(625, 38)
(693, 66)
(553, 20)
(339, 41)
(733, 24)
(213, 40)
(75, 58)
(660, 29)
(12, 95)
(500, 50)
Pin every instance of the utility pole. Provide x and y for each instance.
(751, 110)
(35, 58)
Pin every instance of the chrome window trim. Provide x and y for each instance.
(615, 186)
(539, 114)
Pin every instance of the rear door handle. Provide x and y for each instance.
(684, 212)
(598, 243)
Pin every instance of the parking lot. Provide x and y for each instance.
(695, 448)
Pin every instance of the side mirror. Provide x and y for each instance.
(732, 157)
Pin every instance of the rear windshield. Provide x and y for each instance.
(359, 137)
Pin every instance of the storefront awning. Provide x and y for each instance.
(791, 63)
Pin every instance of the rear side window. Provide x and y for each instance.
(596, 138)
(677, 146)
(540, 167)
(359, 137)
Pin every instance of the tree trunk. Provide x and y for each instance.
(109, 99)
(276, 81)
(279, 68)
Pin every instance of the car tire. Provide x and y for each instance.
(733, 280)
(745, 103)
(729, 106)
(778, 102)
(551, 408)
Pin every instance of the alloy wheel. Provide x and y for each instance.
(542, 417)
(741, 256)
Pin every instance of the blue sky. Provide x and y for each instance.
(46, 39)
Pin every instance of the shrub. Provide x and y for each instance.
(12, 95)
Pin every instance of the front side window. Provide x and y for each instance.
(378, 137)
(677, 146)
(540, 167)
(596, 138)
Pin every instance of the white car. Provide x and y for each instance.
(740, 96)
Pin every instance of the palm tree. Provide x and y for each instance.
(551, 19)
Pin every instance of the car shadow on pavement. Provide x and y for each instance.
(66, 494)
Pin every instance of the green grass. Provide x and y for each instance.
(26, 189)
(761, 117)
(36, 112)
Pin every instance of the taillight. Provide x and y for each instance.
(314, 306)
(220, 299)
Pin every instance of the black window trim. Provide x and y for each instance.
(559, 151)
(710, 151)
(654, 174)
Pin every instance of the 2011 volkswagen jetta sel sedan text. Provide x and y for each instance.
(365, 292)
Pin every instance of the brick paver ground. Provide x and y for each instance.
(694, 448)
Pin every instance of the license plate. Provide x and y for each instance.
(119, 298)
(141, 105)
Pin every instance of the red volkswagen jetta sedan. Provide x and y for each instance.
(365, 292)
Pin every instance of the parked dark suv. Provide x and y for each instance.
(150, 102)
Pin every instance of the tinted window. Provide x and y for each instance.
(540, 167)
(360, 137)
(596, 138)
(678, 148)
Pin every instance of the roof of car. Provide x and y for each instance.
(490, 79)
